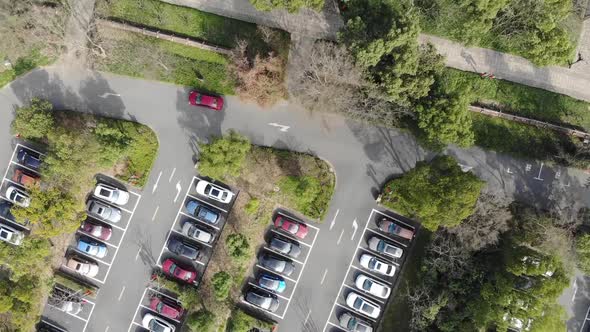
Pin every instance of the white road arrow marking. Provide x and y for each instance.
(355, 226)
(334, 219)
(106, 94)
(178, 189)
(156, 184)
(281, 127)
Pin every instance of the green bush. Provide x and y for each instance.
(222, 284)
(224, 156)
(290, 5)
(252, 206)
(303, 192)
(438, 193)
(189, 296)
(201, 321)
(237, 245)
(242, 322)
(583, 253)
(34, 121)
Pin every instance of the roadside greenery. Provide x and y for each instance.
(541, 31)
(252, 206)
(306, 193)
(438, 193)
(583, 252)
(222, 283)
(242, 322)
(291, 6)
(201, 321)
(224, 156)
(237, 246)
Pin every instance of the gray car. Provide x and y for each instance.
(276, 264)
(384, 247)
(284, 246)
(262, 299)
(353, 324)
(102, 211)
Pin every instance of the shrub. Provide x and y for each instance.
(237, 245)
(290, 5)
(303, 191)
(242, 322)
(252, 206)
(224, 156)
(34, 121)
(222, 283)
(583, 252)
(201, 321)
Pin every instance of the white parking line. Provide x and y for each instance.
(15, 183)
(69, 313)
(338, 326)
(160, 293)
(348, 270)
(55, 327)
(362, 292)
(28, 148)
(275, 293)
(379, 255)
(152, 310)
(95, 238)
(287, 278)
(202, 222)
(258, 308)
(380, 278)
(283, 255)
(199, 242)
(396, 220)
(114, 205)
(25, 167)
(91, 257)
(287, 235)
(211, 205)
(136, 310)
(15, 223)
(356, 312)
(298, 220)
(387, 237)
(83, 276)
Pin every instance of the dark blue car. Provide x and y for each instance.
(28, 159)
(202, 213)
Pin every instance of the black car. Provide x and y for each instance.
(28, 159)
(184, 249)
(284, 246)
(276, 264)
(262, 299)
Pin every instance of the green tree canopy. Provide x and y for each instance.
(34, 121)
(27, 259)
(222, 284)
(290, 5)
(438, 193)
(242, 322)
(224, 156)
(201, 321)
(237, 245)
(583, 252)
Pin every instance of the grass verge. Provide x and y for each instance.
(141, 56)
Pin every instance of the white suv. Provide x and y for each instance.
(212, 191)
(372, 263)
(363, 305)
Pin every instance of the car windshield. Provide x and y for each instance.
(358, 303)
(380, 246)
(12, 195)
(4, 234)
(393, 228)
(155, 326)
(390, 250)
(367, 284)
(160, 306)
(268, 283)
(351, 323)
(198, 97)
(367, 308)
(224, 196)
(173, 269)
(293, 228)
(372, 263)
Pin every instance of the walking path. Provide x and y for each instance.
(76, 37)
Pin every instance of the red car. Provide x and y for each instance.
(390, 227)
(172, 269)
(166, 308)
(25, 178)
(197, 98)
(291, 226)
(102, 232)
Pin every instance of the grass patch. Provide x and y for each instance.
(23, 65)
(252, 206)
(141, 56)
(524, 100)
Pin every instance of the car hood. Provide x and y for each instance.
(92, 270)
(295, 251)
(274, 305)
(122, 197)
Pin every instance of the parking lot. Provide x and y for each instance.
(355, 270)
(68, 321)
(291, 281)
(144, 307)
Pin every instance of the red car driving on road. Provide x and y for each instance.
(172, 269)
(291, 226)
(197, 98)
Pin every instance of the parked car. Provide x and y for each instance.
(271, 282)
(262, 299)
(372, 263)
(65, 300)
(166, 307)
(102, 232)
(28, 158)
(202, 212)
(82, 266)
(18, 196)
(25, 178)
(197, 98)
(195, 232)
(156, 324)
(111, 194)
(276, 264)
(291, 226)
(390, 227)
(353, 324)
(284, 246)
(91, 247)
(215, 192)
(385, 248)
(71, 307)
(102, 211)
(171, 268)
(363, 305)
(184, 249)
(372, 286)
(11, 235)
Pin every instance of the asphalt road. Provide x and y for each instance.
(362, 156)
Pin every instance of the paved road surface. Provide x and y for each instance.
(363, 157)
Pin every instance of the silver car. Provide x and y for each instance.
(385, 248)
(353, 324)
(102, 211)
(194, 232)
(11, 235)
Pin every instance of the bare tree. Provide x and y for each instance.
(446, 255)
(424, 306)
(485, 225)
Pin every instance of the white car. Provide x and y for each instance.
(11, 235)
(111, 194)
(84, 268)
(71, 307)
(363, 305)
(18, 196)
(212, 191)
(385, 248)
(156, 324)
(372, 286)
(372, 263)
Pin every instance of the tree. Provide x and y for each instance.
(583, 252)
(27, 259)
(290, 5)
(237, 245)
(382, 36)
(224, 156)
(51, 212)
(34, 121)
(242, 322)
(259, 78)
(201, 321)
(438, 193)
(222, 283)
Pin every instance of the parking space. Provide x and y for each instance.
(144, 307)
(23, 169)
(297, 260)
(69, 318)
(373, 270)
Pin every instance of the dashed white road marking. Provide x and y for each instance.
(171, 175)
(138, 252)
(307, 317)
(334, 219)
(324, 276)
(121, 294)
(155, 212)
(340, 237)
(107, 329)
(106, 94)
(156, 184)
